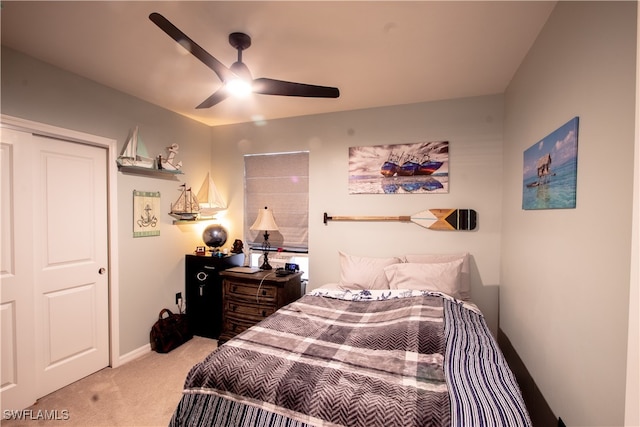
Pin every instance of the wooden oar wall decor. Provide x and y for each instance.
(433, 219)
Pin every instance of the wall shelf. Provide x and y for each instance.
(153, 173)
(186, 221)
(192, 221)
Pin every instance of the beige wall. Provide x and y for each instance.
(564, 298)
(152, 268)
(632, 412)
(473, 127)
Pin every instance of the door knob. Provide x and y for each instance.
(102, 270)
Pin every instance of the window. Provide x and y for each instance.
(279, 181)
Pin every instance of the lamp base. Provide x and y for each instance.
(265, 261)
(266, 266)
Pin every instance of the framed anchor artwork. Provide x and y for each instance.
(146, 209)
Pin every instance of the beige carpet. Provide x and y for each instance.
(143, 392)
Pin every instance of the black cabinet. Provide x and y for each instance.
(203, 287)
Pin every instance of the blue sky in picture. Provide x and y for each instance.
(562, 144)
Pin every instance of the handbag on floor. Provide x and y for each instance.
(169, 332)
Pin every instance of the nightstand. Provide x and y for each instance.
(249, 298)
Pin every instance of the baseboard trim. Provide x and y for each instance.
(539, 410)
(133, 355)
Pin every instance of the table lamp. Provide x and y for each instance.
(265, 222)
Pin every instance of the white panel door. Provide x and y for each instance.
(54, 321)
(17, 321)
(71, 261)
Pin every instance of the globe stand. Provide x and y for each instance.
(216, 253)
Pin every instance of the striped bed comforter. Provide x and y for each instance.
(373, 358)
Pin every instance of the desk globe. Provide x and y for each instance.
(214, 236)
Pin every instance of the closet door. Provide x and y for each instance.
(54, 265)
(17, 316)
(70, 257)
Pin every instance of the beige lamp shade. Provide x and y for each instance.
(265, 221)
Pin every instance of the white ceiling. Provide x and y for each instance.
(377, 53)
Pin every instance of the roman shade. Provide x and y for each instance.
(279, 181)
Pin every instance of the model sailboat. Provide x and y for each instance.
(209, 199)
(134, 152)
(186, 207)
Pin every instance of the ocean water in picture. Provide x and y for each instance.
(551, 170)
(559, 192)
(399, 184)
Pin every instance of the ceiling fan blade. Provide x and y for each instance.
(278, 87)
(172, 31)
(218, 96)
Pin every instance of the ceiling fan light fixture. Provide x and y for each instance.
(239, 71)
(238, 87)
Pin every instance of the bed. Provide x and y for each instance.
(395, 342)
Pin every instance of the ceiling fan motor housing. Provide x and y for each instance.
(239, 41)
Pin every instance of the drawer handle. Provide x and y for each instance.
(264, 313)
(234, 307)
(208, 267)
(234, 288)
(264, 292)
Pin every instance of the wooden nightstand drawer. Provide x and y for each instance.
(242, 310)
(251, 292)
(250, 298)
(233, 326)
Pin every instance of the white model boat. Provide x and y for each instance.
(134, 153)
(186, 207)
(210, 200)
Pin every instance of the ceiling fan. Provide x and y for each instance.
(238, 70)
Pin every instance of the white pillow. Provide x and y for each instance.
(442, 277)
(357, 273)
(465, 277)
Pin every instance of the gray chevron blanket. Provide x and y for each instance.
(364, 360)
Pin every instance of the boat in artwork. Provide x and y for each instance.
(134, 152)
(409, 167)
(428, 166)
(209, 199)
(390, 166)
(186, 207)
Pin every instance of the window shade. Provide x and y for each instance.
(281, 182)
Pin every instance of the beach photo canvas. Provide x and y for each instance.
(550, 170)
(416, 168)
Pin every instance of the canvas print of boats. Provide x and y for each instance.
(416, 168)
(550, 170)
